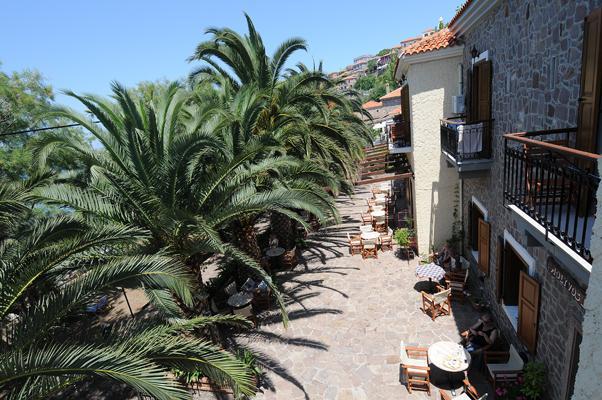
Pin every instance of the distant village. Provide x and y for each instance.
(372, 76)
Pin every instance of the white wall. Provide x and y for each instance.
(431, 85)
(588, 384)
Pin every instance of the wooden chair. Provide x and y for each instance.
(369, 249)
(415, 367)
(503, 367)
(436, 304)
(230, 289)
(355, 244)
(386, 242)
(366, 219)
(289, 258)
(262, 300)
(246, 312)
(380, 224)
(456, 281)
(470, 393)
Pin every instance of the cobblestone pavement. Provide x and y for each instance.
(347, 318)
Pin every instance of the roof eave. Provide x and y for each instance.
(471, 15)
(405, 61)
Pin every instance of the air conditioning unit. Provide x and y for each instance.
(458, 104)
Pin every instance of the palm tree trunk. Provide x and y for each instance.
(246, 239)
(282, 227)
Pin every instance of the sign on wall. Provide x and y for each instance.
(569, 284)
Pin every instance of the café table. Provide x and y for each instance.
(431, 271)
(274, 252)
(240, 299)
(451, 358)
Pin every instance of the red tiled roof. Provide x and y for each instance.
(392, 95)
(395, 111)
(372, 104)
(463, 8)
(439, 40)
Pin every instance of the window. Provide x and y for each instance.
(513, 265)
(475, 215)
(517, 292)
(479, 236)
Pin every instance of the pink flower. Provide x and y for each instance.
(520, 380)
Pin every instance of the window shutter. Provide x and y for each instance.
(528, 309)
(471, 232)
(405, 109)
(591, 82)
(499, 268)
(484, 246)
(484, 91)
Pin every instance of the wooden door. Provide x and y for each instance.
(484, 233)
(591, 83)
(528, 309)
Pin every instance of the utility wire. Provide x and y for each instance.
(33, 130)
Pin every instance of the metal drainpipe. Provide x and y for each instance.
(462, 213)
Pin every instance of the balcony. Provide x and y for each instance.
(552, 186)
(400, 140)
(467, 146)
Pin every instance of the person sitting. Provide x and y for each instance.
(444, 256)
(481, 336)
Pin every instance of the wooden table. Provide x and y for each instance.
(240, 299)
(274, 252)
(449, 357)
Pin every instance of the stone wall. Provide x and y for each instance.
(535, 49)
(432, 85)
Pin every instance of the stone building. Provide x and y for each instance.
(528, 180)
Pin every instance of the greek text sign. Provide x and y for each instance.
(566, 281)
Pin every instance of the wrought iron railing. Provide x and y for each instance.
(553, 183)
(464, 141)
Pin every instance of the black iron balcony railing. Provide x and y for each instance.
(464, 141)
(554, 184)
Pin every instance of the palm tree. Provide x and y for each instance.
(300, 109)
(51, 268)
(186, 174)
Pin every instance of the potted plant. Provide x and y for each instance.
(403, 238)
(529, 386)
(534, 377)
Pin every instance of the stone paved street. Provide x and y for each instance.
(348, 316)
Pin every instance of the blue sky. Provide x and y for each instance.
(84, 45)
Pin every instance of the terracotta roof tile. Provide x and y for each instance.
(372, 104)
(439, 40)
(392, 95)
(395, 111)
(463, 8)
